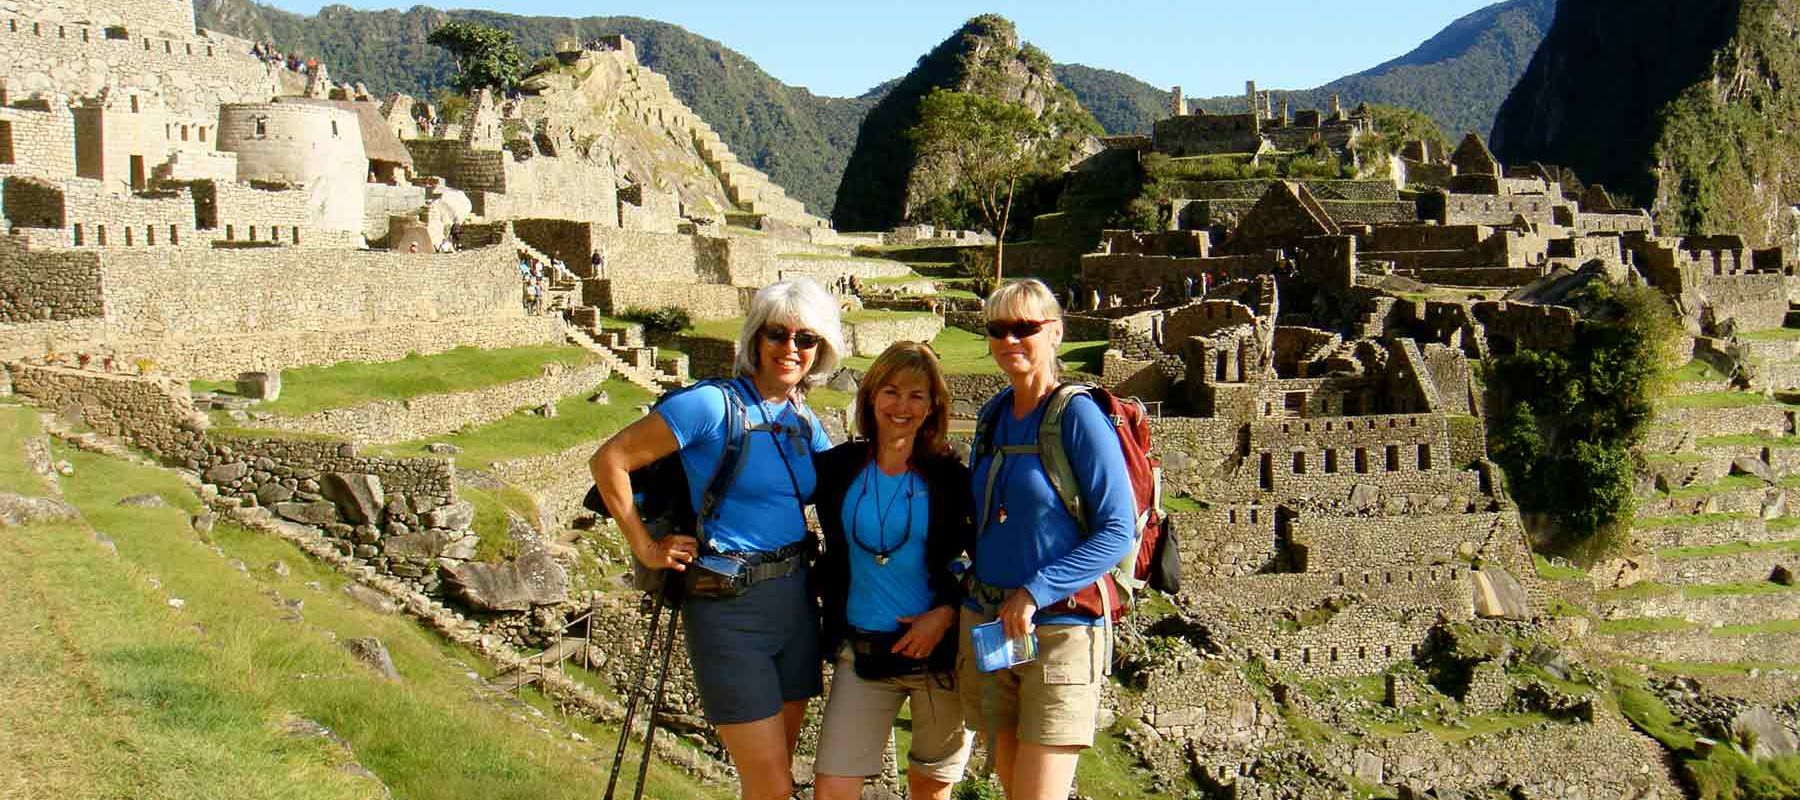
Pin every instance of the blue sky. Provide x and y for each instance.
(1207, 47)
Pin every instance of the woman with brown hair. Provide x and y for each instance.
(895, 510)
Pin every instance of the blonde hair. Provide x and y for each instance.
(1022, 299)
(798, 303)
(901, 359)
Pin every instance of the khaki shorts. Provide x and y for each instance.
(1053, 701)
(859, 718)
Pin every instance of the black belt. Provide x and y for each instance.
(768, 565)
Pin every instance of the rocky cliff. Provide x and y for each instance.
(985, 57)
(1684, 105)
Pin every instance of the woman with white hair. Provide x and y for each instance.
(1037, 569)
(755, 653)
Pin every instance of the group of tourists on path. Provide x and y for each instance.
(918, 549)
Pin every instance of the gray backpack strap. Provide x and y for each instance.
(1055, 453)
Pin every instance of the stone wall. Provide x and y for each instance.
(70, 54)
(57, 285)
(223, 356)
(1131, 275)
(381, 201)
(708, 357)
(1374, 543)
(435, 414)
(870, 337)
(1485, 209)
(702, 301)
(43, 138)
(155, 414)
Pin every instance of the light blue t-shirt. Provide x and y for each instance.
(761, 509)
(884, 513)
(1039, 546)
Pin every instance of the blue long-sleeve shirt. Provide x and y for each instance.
(1039, 546)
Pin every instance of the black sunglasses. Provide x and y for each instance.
(1016, 328)
(803, 339)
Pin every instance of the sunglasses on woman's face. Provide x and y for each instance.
(1020, 329)
(802, 339)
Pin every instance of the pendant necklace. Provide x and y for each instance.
(882, 553)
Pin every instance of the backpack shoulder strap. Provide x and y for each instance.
(731, 460)
(1054, 453)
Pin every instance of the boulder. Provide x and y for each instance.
(424, 544)
(259, 385)
(371, 651)
(370, 598)
(358, 496)
(227, 474)
(319, 513)
(203, 522)
(1781, 575)
(1774, 506)
(533, 579)
(1363, 496)
(1761, 733)
(1745, 465)
(463, 549)
(456, 516)
(1550, 660)
(1499, 595)
(144, 501)
(271, 493)
(16, 509)
(442, 449)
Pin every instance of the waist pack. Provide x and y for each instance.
(875, 659)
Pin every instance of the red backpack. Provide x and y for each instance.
(1154, 558)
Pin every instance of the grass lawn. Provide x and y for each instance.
(108, 691)
(1468, 728)
(1557, 572)
(1783, 626)
(1695, 371)
(1729, 483)
(1771, 335)
(1642, 625)
(305, 390)
(1729, 549)
(1747, 440)
(1734, 589)
(522, 435)
(964, 353)
(17, 423)
(1716, 400)
(1664, 521)
(1636, 591)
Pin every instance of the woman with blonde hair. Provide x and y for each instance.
(1038, 570)
(755, 650)
(895, 511)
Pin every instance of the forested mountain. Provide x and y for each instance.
(800, 139)
(1683, 105)
(804, 141)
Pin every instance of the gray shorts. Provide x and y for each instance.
(754, 652)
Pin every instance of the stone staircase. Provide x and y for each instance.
(623, 349)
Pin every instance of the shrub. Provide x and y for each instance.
(668, 320)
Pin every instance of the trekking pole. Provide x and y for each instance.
(637, 691)
(662, 682)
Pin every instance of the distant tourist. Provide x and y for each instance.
(412, 247)
(1187, 285)
(1036, 568)
(889, 598)
(754, 647)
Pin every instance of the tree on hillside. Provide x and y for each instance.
(485, 56)
(980, 149)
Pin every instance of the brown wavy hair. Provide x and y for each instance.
(904, 358)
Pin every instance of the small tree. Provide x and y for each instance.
(982, 148)
(485, 56)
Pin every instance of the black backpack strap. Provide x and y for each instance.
(731, 461)
(983, 445)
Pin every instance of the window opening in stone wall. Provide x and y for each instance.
(202, 132)
(1294, 403)
(77, 234)
(1393, 458)
(1219, 370)
(150, 235)
(61, 33)
(13, 24)
(334, 132)
(262, 127)
(1424, 456)
(190, 48)
(1334, 655)
(1362, 460)
(1231, 516)
(1267, 475)
(1255, 516)
(128, 241)
(37, 29)
(100, 234)
(1331, 461)
(146, 45)
(6, 142)
(184, 133)
(296, 234)
(209, 51)
(134, 104)
(137, 173)
(168, 47)
(84, 34)
(1306, 655)
(174, 235)
(1387, 651)
(228, 233)
(1299, 462)
(252, 233)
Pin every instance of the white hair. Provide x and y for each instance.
(799, 303)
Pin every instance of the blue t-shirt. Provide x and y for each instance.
(1039, 546)
(885, 512)
(762, 508)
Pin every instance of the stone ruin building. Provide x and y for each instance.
(1357, 580)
